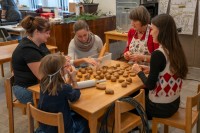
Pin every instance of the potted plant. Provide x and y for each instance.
(90, 7)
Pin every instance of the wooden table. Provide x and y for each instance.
(6, 52)
(115, 35)
(13, 29)
(93, 102)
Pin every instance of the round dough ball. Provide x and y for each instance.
(105, 67)
(90, 71)
(124, 84)
(102, 76)
(121, 80)
(109, 91)
(125, 75)
(116, 75)
(83, 71)
(101, 86)
(129, 80)
(120, 72)
(108, 77)
(98, 72)
(97, 77)
(128, 83)
(79, 75)
(110, 71)
(94, 75)
(87, 77)
(104, 71)
(132, 74)
(113, 79)
(118, 65)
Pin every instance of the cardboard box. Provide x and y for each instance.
(72, 7)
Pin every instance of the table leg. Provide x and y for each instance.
(35, 99)
(198, 120)
(2, 70)
(93, 124)
(107, 42)
(53, 51)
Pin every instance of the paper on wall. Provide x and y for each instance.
(183, 12)
(162, 6)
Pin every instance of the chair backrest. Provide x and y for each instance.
(8, 90)
(52, 119)
(198, 108)
(125, 107)
(8, 83)
(122, 107)
(9, 42)
(190, 103)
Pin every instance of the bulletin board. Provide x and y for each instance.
(163, 6)
(199, 20)
(183, 12)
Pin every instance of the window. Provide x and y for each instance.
(34, 4)
(24, 2)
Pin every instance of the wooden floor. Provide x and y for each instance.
(189, 88)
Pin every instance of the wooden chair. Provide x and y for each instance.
(3, 44)
(198, 107)
(184, 118)
(103, 50)
(53, 119)
(12, 103)
(124, 120)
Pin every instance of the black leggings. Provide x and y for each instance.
(161, 110)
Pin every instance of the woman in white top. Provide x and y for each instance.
(84, 44)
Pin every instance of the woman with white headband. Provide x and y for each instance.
(55, 93)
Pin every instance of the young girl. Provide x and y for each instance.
(55, 93)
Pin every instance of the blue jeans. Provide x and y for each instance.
(80, 124)
(22, 94)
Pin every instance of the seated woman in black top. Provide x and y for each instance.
(27, 55)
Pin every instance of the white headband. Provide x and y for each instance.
(51, 75)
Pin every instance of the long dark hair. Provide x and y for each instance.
(168, 38)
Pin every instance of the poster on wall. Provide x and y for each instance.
(162, 6)
(199, 19)
(183, 12)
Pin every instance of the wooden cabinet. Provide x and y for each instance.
(61, 34)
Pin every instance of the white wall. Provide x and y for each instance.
(107, 5)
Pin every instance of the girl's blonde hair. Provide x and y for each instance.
(51, 70)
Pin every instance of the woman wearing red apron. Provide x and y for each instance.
(140, 43)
